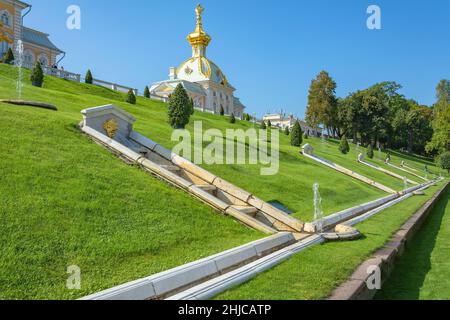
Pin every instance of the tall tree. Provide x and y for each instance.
(440, 141)
(179, 108)
(146, 92)
(322, 103)
(88, 77)
(296, 135)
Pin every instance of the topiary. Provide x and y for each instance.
(88, 77)
(179, 108)
(232, 118)
(131, 98)
(305, 136)
(269, 124)
(37, 75)
(263, 125)
(370, 151)
(8, 57)
(343, 145)
(296, 135)
(287, 131)
(146, 92)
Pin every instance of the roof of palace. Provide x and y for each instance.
(189, 86)
(38, 38)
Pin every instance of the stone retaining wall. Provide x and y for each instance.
(356, 286)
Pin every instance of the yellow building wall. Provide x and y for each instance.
(12, 11)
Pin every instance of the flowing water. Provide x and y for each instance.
(18, 61)
(318, 212)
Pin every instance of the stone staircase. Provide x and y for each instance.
(161, 162)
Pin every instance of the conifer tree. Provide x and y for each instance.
(344, 146)
(296, 135)
(131, 98)
(287, 131)
(146, 92)
(232, 118)
(263, 125)
(37, 75)
(9, 56)
(370, 151)
(222, 111)
(88, 77)
(179, 108)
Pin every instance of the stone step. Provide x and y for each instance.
(246, 209)
(207, 187)
(171, 168)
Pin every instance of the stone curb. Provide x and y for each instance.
(355, 287)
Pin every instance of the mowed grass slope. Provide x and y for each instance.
(423, 272)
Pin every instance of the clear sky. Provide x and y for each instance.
(269, 50)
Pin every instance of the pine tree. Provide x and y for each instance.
(88, 77)
(370, 151)
(146, 92)
(296, 135)
(179, 108)
(8, 57)
(247, 117)
(37, 75)
(287, 131)
(306, 136)
(131, 98)
(263, 125)
(232, 118)
(191, 106)
(344, 146)
(269, 124)
(222, 111)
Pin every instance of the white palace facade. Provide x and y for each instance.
(203, 80)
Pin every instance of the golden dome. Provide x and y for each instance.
(199, 37)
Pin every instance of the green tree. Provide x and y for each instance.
(263, 125)
(179, 110)
(147, 92)
(191, 106)
(287, 131)
(370, 151)
(305, 136)
(232, 118)
(88, 77)
(269, 124)
(37, 75)
(296, 135)
(443, 161)
(222, 111)
(8, 57)
(322, 103)
(247, 117)
(440, 141)
(344, 147)
(131, 97)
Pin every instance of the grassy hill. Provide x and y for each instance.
(66, 201)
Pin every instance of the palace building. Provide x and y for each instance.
(37, 45)
(203, 80)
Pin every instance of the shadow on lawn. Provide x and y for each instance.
(412, 268)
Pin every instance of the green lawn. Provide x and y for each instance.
(314, 273)
(65, 200)
(423, 272)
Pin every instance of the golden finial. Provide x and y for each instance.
(199, 10)
(199, 39)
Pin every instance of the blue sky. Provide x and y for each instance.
(269, 50)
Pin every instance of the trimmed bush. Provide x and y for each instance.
(370, 151)
(37, 75)
(131, 98)
(88, 77)
(179, 108)
(296, 135)
(263, 125)
(343, 145)
(191, 106)
(222, 111)
(247, 117)
(443, 161)
(147, 92)
(287, 131)
(305, 136)
(232, 118)
(8, 57)
(269, 124)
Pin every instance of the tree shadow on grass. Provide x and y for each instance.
(411, 269)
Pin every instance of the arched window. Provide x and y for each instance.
(5, 18)
(43, 60)
(28, 56)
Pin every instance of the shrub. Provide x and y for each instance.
(306, 136)
(37, 75)
(287, 131)
(370, 151)
(296, 135)
(146, 92)
(263, 125)
(443, 161)
(222, 111)
(88, 77)
(8, 57)
(131, 98)
(344, 146)
(269, 124)
(191, 106)
(232, 118)
(247, 117)
(179, 109)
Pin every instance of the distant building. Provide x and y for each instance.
(203, 80)
(37, 45)
(281, 121)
